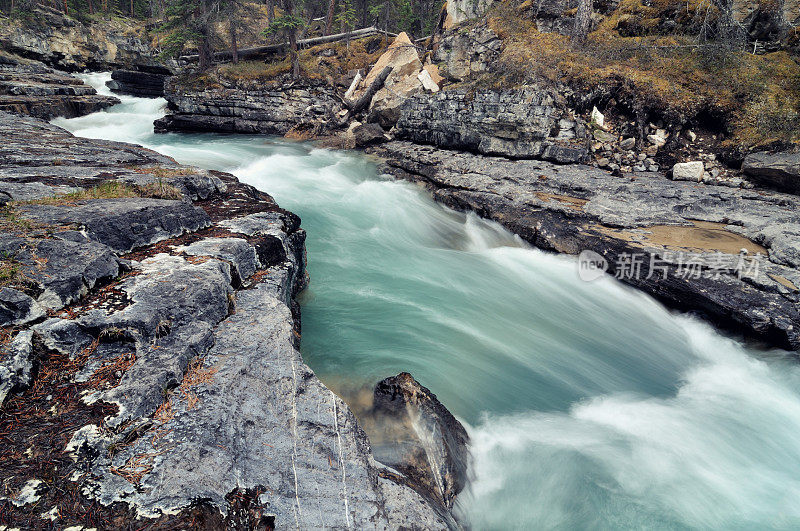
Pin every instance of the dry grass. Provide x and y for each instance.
(111, 190)
(195, 375)
(163, 172)
(758, 95)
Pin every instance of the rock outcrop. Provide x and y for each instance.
(30, 88)
(432, 453)
(144, 84)
(150, 368)
(780, 171)
(468, 52)
(730, 254)
(520, 124)
(68, 44)
(274, 109)
(458, 11)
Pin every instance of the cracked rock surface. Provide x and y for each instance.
(743, 246)
(149, 369)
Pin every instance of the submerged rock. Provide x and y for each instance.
(427, 443)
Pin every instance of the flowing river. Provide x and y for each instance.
(590, 406)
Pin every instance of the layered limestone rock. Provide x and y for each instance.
(521, 124)
(730, 254)
(276, 109)
(145, 84)
(153, 367)
(30, 88)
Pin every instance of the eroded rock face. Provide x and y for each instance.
(430, 448)
(520, 124)
(573, 208)
(459, 11)
(780, 171)
(71, 45)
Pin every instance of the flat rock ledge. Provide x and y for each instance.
(730, 255)
(149, 371)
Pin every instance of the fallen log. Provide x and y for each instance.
(363, 102)
(277, 48)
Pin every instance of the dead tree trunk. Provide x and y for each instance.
(234, 46)
(329, 17)
(363, 102)
(583, 18)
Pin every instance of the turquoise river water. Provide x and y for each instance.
(589, 405)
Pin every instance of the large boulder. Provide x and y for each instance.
(688, 171)
(775, 170)
(403, 82)
(427, 444)
(368, 134)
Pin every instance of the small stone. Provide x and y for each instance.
(688, 171)
(691, 136)
(641, 156)
(602, 136)
(597, 118)
(656, 140)
(628, 144)
(602, 163)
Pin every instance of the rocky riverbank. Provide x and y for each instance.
(149, 370)
(730, 254)
(30, 88)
